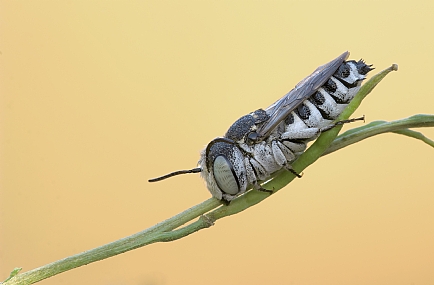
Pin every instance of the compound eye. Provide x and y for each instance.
(225, 175)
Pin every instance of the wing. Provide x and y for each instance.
(285, 105)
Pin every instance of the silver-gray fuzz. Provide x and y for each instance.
(265, 141)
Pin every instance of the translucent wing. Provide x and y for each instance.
(285, 105)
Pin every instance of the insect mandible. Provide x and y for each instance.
(265, 141)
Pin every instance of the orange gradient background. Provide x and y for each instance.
(99, 96)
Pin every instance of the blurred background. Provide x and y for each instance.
(99, 96)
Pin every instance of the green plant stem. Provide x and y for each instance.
(416, 135)
(379, 127)
(160, 232)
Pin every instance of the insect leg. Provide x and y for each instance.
(254, 170)
(250, 173)
(258, 187)
(290, 169)
(338, 123)
(295, 146)
(282, 155)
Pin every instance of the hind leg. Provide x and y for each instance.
(338, 123)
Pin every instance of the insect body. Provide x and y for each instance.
(265, 141)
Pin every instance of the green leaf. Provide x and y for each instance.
(13, 273)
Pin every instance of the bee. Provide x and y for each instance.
(265, 141)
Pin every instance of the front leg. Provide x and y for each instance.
(251, 176)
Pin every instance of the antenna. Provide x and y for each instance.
(194, 170)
